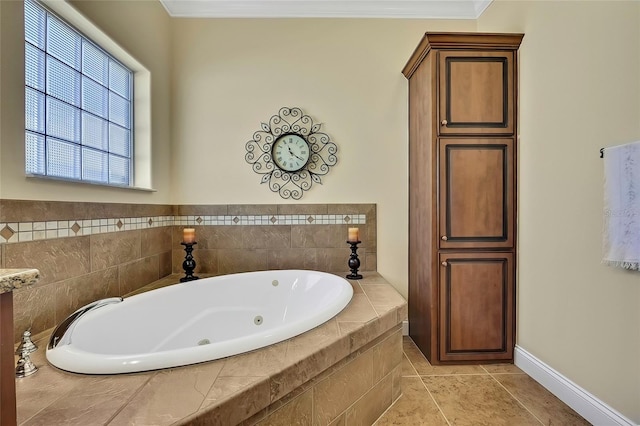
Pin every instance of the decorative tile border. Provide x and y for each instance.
(14, 232)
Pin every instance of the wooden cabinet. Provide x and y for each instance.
(487, 78)
(7, 362)
(477, 311)
(476, 193)
(462, 196)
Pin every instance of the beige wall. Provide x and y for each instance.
(215, 81)
(142, 29)
(231, 75)
(579, 91)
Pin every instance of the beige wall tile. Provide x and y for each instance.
(33, 308)
(137, 274)
(244, 396)
(342, 388)
(362, 333)
(201, 210)
(206, 261)
(1, 255)
(371, 406)
(119, 210)
(38, 210)
(271, 237)
(334, 259)
(319, 236)
(387, 355)
(252, 209)
(232, 261)
(297, 412)
(396, 376)
(403, 313)
(57, 259)
(74, 293)
(155, 241)
(109, 210)
(31, 211)
(368, 209)
(165, 264)
(319, 349)
(370, 261)
(292, 258)
(217, 237)
(302, 209)
(114, 248)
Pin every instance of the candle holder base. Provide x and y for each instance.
(189, 263)
(354, 262)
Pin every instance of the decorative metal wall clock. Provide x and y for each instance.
(291, 153)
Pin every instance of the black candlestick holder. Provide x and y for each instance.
(354, 262)
(189, 263)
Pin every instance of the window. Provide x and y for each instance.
(78, 104)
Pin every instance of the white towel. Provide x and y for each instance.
(621, 239)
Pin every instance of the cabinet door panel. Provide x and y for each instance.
(476, 306)
(476, 193)
(476, 93)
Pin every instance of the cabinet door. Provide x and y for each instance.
(476, 92)
(476, 193)
(477, 300)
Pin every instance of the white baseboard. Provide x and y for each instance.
(583, 402)
(405, 328)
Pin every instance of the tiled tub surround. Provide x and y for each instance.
(98, 258)
(298, 236)
(347, 371)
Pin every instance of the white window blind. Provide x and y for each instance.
(78, 104)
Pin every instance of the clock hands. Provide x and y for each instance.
(291, 152)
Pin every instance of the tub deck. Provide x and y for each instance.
(348, 368)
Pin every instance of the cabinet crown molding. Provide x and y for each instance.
(466, 41)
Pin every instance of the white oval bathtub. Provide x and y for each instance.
(196, 321)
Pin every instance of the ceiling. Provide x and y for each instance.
(423, 9)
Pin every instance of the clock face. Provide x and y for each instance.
(290, 152)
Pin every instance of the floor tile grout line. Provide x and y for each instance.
(453, 374)
(410, 363)
(517, 400)
(425, 386)
(388, 408)
(434, 401)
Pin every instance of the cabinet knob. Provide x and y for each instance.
(444, 238)
(445, 263)
(444, 122)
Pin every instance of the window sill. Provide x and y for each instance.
(87, 182)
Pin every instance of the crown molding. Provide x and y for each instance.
(399, 9)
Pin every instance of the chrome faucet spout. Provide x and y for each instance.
(58, 334)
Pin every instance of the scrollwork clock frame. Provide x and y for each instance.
(291, 184)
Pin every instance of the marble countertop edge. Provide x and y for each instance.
(12, 279)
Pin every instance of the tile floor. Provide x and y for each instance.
(498, 394)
